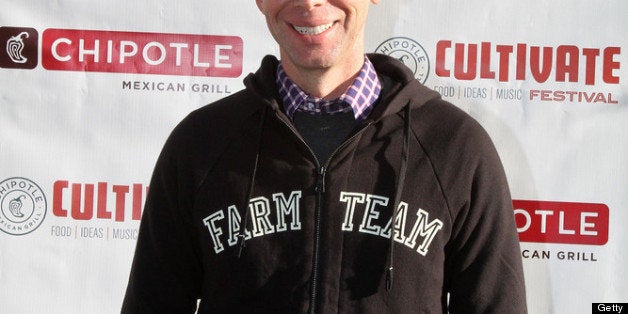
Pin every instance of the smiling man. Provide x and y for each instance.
(333, 183)
(321, 44)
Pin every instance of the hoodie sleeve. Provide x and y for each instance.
(484, 268)
(166, 273)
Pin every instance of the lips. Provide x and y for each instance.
(319, 29)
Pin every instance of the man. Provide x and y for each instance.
(282, 198)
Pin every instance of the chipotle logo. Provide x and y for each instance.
(19, 47)
(561, 222)
(145, 53)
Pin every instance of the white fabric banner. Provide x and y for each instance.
(90, 90)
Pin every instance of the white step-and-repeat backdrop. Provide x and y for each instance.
(89, 90)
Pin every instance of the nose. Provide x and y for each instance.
(309, 4)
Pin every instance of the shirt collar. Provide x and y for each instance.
(359, 97)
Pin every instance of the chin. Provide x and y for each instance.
(316, 59)
(315, 63)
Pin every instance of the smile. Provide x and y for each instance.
(312, 30)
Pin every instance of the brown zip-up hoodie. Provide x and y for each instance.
(317, 236)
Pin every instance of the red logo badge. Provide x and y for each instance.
(145, 53)
(561, 222)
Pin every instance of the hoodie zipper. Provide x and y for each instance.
(321, 171)
(320, 190)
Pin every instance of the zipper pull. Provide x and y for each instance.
(320, 180)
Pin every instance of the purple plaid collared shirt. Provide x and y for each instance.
(359, 97)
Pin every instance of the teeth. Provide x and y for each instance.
(312, 30)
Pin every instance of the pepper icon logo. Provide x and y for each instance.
(23, 206)
(15, 46)
(15, 206)
(21, 47)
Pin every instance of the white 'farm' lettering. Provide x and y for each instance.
(234, 226)
(286, 207)
(260, 209)
(214, 231)
(260, 213)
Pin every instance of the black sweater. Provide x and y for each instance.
(317, 234)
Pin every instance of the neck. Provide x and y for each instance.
(327, 83)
